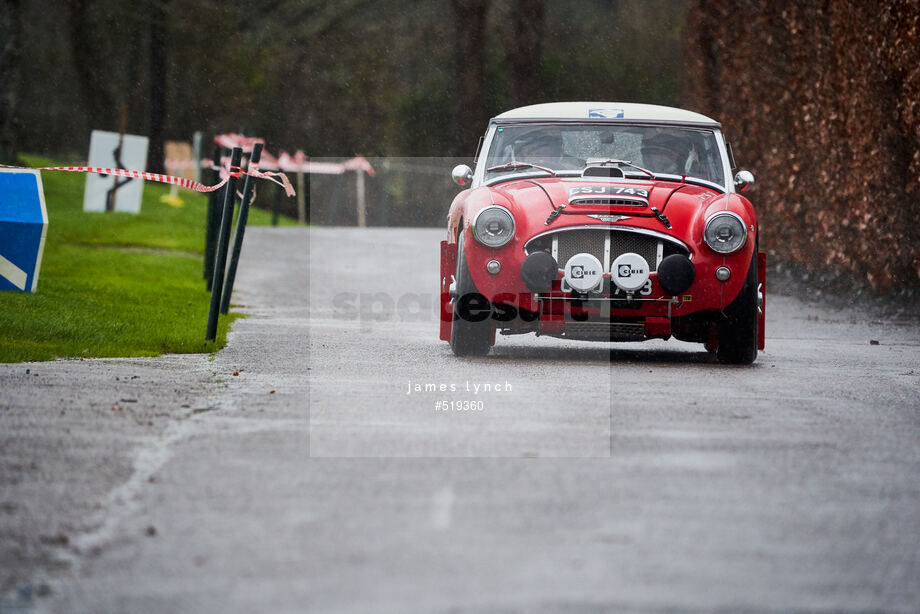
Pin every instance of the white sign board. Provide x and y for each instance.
(102, 189)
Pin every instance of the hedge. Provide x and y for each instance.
(822, 102)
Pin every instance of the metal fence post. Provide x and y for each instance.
(301, 201)
(223, 242)
(196, 154)
(241, 219)
(213, 220)
(362, 208)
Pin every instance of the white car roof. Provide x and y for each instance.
(605, 110)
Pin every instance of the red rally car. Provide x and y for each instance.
(603, 222)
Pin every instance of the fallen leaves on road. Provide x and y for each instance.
(54, 540)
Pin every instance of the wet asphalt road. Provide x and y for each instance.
(630, 477)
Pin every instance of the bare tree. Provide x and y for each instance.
(526, 53)
(158, 18)
(93, 82)
(10, 76)
(469, 17)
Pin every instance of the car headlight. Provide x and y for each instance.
(725, 232)
(493, 226)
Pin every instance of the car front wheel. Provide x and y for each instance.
(737, 331)
(471, 329)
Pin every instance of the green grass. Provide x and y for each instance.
(114, 284)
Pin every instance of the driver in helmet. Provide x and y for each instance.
(543, 148)
(665, 153)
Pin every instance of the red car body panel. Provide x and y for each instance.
(686, 206)
(675, 209)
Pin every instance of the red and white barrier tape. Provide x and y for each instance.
(179, 181)
(299, 164)
(188, 184)
(231, 140)
(275, 177)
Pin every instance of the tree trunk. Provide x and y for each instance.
(529, 26)
(469, 111)
(10, 75)
(93, 80)
(155, 157)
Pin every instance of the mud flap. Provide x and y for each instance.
(762, 292)
(448, 270)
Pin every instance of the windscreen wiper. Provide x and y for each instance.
(512, 165)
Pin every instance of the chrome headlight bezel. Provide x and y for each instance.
(482, 235)
(720, 248)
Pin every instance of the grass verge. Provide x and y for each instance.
(114, 284)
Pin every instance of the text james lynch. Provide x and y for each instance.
(468, 386)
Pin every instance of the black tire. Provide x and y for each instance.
(737, 331)
(471, 329)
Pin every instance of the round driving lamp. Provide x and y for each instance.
(725, 232)
(493, 226)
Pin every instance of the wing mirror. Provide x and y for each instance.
(743, 180)
(462, 175)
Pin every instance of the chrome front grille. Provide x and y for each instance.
(606, 243)
(644, 245)
(577, 241)
(602, 243)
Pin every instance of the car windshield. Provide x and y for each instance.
(665, 150)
